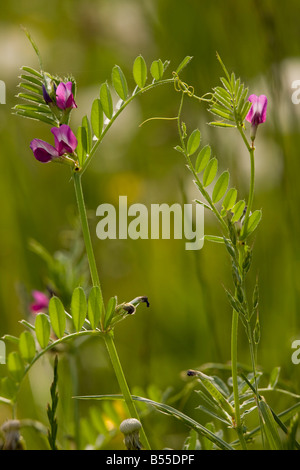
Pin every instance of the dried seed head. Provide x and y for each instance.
(130, 425)
(13, 439)
(130, 428)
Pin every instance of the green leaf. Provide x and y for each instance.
(192, 441)
(88, 132)
(270, 426)
(111, 306)
(32, 87)
(241, 104)
(274, 377)
(179, 149)
(203, 159)
(32, 71)
(157, 69)
(27, 346)
(223, 97)
(36, 116)
(169, 410)
(214, 390)
(201, 202)
(219, 110)
(193, 142)
(229, 199)
(140, 71)
(33, 107)
(183, 64)
(32, 79)
(214, 238)
(95, 306)
(106, 100)
(220, 187)
(81, 148)
(78, 308)
(8, 387)
(11, 339)
(221, 124)
(251, 224)
(238, 210)
(208, 445)
(210, 172)
(97, 118)
(42, 329)
(234, 303)
(15, 366)
(57, 316)
(245, 110)
(31, 98)
(119, 82)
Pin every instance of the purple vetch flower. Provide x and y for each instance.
(64, 96)
(41, 301)
(65, 142)
(257, 112)
(43, 151)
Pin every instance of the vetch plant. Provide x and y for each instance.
(237, 221)
(231, 103)
(58, 323)
(51, 100)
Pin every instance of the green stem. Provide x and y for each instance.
(85, 229)
(234, 336)
(123, 384)
(96, 282)
(251, 150)
(251, 189)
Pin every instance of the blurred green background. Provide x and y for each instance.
(189, 320)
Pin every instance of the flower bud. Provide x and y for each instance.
(257, 113)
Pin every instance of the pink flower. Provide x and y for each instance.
(257, 112)
(40, 303)
(43, 151)
(65, 142)
(64, 96)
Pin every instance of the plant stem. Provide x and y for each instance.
(234, 336)
(86, 230)
(251, 189)
(108, 337)
(251, 150)
(109, 341)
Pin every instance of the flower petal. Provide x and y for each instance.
(41, 301)
(258, 110)
(263, 102)
(64, 96)
(65, 140)
(43, 151)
